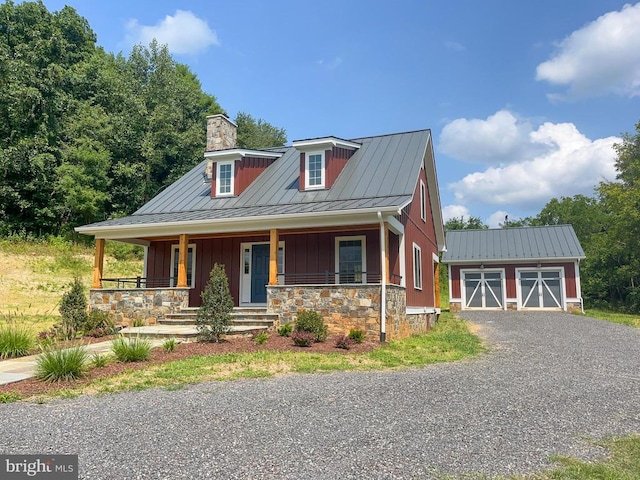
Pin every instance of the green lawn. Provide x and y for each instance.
(615, 317)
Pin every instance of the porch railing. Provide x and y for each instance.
(336, 278)
(140, 282)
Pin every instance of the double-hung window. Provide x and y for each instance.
(224, 178)
(314, 170)
(417, 267)
(351, 260)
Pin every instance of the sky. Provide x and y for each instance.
(525, 99)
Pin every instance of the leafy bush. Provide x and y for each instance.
(131, 350)
(54, 365)
(357, 335)
(99, 360)
(302, 339)
(98, 324)
(261, 337)
(344, 341)
(15, 340)
(214, 316)
(73, 309)
(311, 322)
(285, 330)
(169, 345)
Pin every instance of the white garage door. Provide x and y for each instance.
(483, 289)
(540, 289)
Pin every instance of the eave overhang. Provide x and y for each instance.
(494, 261)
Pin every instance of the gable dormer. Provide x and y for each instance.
(232, 171)
(322, 160)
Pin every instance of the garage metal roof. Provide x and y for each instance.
(512, 244)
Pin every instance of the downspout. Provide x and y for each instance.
(383, 283)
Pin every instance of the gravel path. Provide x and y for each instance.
(550, 381)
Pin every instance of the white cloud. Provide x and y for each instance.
(496, 218)
(602, 57)
(571, 164)
(455, 46)
(330, 64)
(183, 32)
(498, 139)
(454, 211)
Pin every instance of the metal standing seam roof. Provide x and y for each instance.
(381, 173)
(512, 244)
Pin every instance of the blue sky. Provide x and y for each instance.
(524, 99)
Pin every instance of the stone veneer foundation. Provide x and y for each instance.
(147, 304)
(572, 307)
(347, 307)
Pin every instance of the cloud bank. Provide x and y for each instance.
(184, 33)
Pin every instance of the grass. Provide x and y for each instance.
(34, 273)
(16, 340)
(61, 364)
(131, 350)
(615, 317)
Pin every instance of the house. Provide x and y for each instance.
(349, 228)
(527, 268)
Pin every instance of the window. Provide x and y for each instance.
(350, 260)
(423, 202)
(314, 170)
(280, 260)
(224, 178)
(417, 267)
(191, 262)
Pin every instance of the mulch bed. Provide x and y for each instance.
(234, 344)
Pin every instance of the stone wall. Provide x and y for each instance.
(221, 133)
(346, 307)
(146, 304)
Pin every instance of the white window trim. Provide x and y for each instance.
(363, 240)
(417, 267)
(245, 278)
(323, 169)
(174, 251)
(231, 191)
(423, 201)
(463, 293)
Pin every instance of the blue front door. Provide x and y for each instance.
(259, 273)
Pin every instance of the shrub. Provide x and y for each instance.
(214, 316)
(261, 337)
(357, 335)
(302, 339)
(285, 330)
(61, 364)
(15, 340)
(311, 322)
(98, 325)
(99, 360)
(344, 341)
(169, 345)
(73, 309)
(131, 350)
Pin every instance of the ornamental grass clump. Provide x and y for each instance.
(54, 365)
(16, 340)
(131, 350)
(312, 322)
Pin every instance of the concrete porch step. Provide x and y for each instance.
(183, 333)
(242, 317)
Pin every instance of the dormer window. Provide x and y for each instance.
(224, 178)
(314, 170)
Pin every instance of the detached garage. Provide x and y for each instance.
(514, 268)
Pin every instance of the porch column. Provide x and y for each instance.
(386, 253)
(436, 283)
(273, 256)
(98, 263)
(183, 248)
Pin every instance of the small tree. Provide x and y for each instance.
(73, 309)
(214, 317)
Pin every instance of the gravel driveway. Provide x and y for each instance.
(549, 382)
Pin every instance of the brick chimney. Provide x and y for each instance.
(221, 133)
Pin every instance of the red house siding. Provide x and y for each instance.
(335, 160)
(245, 171)
(422, 233)
(510, 276)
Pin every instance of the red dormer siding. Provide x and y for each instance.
(335, 160)
(247, 170)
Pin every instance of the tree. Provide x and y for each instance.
(257, 134)
(214, 316)
(460, 223)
